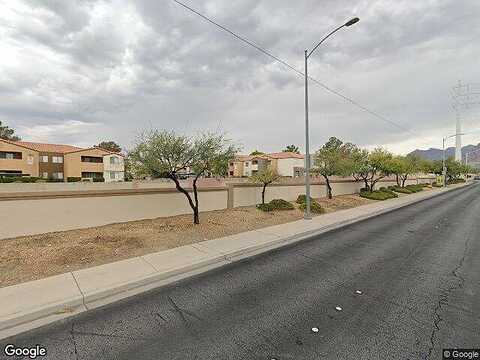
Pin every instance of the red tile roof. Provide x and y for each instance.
(52, 148)
(285, 155)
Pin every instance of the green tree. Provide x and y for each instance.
(8, 134)
(333, 158)
(165, 154)
(404, 166)
(291, 148)
(370, 167)
(264, 177)
(110, 145)
(256, 152)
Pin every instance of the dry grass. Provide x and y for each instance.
(38, 256)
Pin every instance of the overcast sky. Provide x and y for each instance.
(79, 72)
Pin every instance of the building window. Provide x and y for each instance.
(92, 159)
(45, 175)
(246, 164)
(44, 158)
(57, 159)
(10, 155)
(112, 175)
(231, 173)
(92, 175)
(30, 160)
(58, 175)
(114, 160)
(254, 162)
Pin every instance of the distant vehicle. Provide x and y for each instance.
(476, 177)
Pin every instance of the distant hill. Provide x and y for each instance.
(437, 154)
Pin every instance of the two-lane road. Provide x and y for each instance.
(417, 268)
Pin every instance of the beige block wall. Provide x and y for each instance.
(74, 165)
(20, 165)
(26, 217)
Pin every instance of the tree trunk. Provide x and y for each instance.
(367, 188)
(404, 180)
(398, 179)
(196, 217)
(263, 193)
(329, 187)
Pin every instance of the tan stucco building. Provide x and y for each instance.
(58, 162)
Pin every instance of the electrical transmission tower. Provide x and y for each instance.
(464, 97)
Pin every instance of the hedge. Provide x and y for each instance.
(378, 195)
(74, 179)
(400, 189)
(415, 188)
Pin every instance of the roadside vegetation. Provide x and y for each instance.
(169, 155)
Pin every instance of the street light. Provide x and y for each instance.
(444, 168)
(307, 140)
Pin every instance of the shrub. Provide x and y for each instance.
(414, 188)
(390, 192)
(8, 179)
(378, 195)
(280, 204)
(74, 179)
(265, 207)
(301, 199)
(99, 179)
(455, 181)
(315, 207)
(276, 204)
(400, 189)
(55, 180)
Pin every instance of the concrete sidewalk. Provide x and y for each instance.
(36, 303)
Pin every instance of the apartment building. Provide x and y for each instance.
(284, 163)
(53, 161)
(248, 165)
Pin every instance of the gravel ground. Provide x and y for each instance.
(38, 256)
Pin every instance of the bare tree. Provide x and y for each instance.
(166, 154)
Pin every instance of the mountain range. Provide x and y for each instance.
(437, 154)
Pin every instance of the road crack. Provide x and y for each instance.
(444, 298)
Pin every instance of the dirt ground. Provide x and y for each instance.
(37, 256)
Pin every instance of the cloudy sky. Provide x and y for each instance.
(83, 71)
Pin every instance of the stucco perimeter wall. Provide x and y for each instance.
(26, 217)
(36, 212)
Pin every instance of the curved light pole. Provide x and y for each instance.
(307, 137)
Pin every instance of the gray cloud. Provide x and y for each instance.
(123, 66)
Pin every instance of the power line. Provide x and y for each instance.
(291, 67)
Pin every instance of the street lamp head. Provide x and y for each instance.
(352, 21)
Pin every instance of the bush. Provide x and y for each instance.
(315, 207)
(400, 189)
(8, 179)
(301, 199)
(455, 181)
(378, 195)
(414, 188)
(276, 204)
(74, 179)
(99, 179)
(55, 180)
(280, 204)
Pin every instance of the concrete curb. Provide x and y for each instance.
(69, 294)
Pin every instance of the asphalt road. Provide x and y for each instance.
(418, 269)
